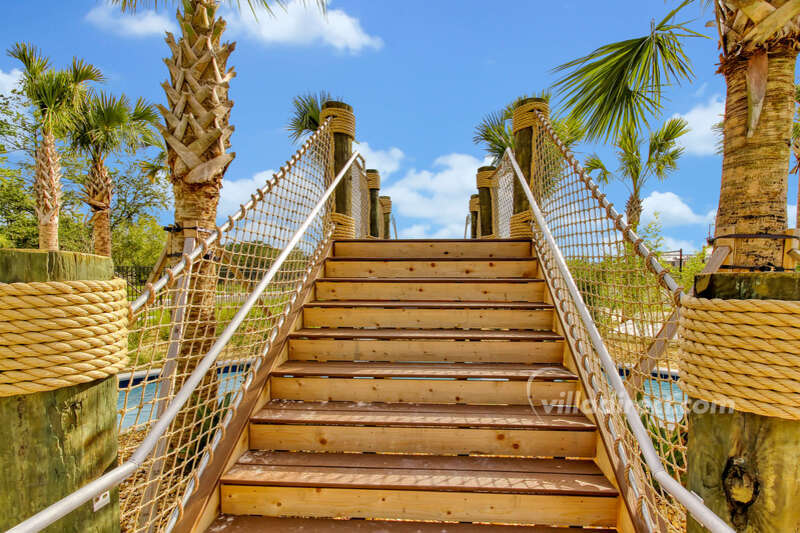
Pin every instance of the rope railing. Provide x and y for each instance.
(614, 299)
(200, 335)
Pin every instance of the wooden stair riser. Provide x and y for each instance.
(420, 350)
(418, 505)
(432, 249)
(466, 268)
(312, 389)
(443, 441)
(401, 290)
(371, 317)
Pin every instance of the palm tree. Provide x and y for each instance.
(621, 82)
(55, 96)
(305, 114)
(634, 171)
(106, 125)
(494, 130)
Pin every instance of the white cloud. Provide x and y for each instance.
(671, 244)
(791, 215)
(385, 161)
(672, 211)
(9, 80)
(143, 23)
(701, 139)
(438, 200)
(301, 24)
(236, 192)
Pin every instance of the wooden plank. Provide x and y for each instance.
(427, 304)
(320, 317)
(419, 505)
(498, 290)
(433, 248)
(428, 440)
(415, 415)
(420, 350)
(260, 524)
(418, 390)
(411, 334)
(509, 371)
(460, 267)
(433, 480)
(424, 462)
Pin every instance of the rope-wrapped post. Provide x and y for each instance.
(386, 206)
(740, 368)
(527, 131)
(343, 127)
(63, 339)
(374, 184)
(474, 209)
(485, 181)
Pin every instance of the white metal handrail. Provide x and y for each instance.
(692, 502)
(66, 505)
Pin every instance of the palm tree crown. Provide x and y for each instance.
(305, 114)
(663, 153)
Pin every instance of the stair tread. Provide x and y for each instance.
(419, 415)
(348, 369)
(422, 241)
(429, 304)
(448, 334)
(427, 473)
(432, 259)
(260, 524)
(429, 279)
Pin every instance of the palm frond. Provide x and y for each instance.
(662, 154)
(494, 133)
(621, 83)
(306, 110)
(594, 163)
(133, 5)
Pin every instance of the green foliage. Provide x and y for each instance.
(619, 85)
(137, 243)
(666, 440)
(692, 267)
(306, 109)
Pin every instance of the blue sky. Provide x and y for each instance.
(419, 73)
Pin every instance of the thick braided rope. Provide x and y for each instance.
(386, 203)
(342, 120)
(520, 225)
(373, 179)
(61, 333)
(345, 226)
(474, 204)
(524, 116)
(486, 178)
(742, 353)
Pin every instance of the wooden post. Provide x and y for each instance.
(374, 184)
(484, 181)
(54, 442)
(744, 465)
(474, 210)
(343, 128)
(386, 205)
(526, 137)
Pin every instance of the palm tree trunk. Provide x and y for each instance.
(98, 191)
(633, 210)
(755, 169)
(47, 190)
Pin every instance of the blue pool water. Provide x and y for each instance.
(144, 393)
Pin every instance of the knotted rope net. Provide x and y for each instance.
(61, 333)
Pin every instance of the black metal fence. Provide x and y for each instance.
(136, 276)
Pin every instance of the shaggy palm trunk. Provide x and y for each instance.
(755, 169)
(197, 133)
(98, 192)
(47, 190)
(633, 210)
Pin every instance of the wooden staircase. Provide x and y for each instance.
(402, 404)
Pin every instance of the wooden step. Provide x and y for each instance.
(460, 383)
(552, 492)
(439, 288)
(430, 315)
(400, 267)
(423, 334)
(433, 248)
(422, 428)
(261, 524)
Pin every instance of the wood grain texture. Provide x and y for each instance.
(411, 289)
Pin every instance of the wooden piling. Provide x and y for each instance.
(374, 184)
(386, 206)
(485, 181)
(54, 442)
(343, 128)
(474, 212)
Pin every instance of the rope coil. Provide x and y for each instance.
(520, 225)
(345, 226)
(742, 353)
(373, 179)
(61, 333)
(524, 116)
(486, 178)
(342, 120)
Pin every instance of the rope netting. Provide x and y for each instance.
(631, 300)
(177, 323)
(360, 196)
